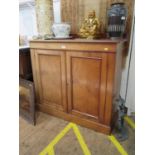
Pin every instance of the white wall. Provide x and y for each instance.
(130, 99)
(128, 75)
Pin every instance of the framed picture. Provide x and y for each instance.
(27, 100)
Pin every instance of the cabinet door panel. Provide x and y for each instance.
(51, 78)
(86, 77)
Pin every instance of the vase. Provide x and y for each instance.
(61, 30)
(117, 15)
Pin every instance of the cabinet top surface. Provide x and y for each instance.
(77, 40)
(100, 45)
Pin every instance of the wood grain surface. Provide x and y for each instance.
(50, 74)
(77, 82)
(86, 78)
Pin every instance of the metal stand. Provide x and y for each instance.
(121, 130)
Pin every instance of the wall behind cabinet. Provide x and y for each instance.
(75, 11)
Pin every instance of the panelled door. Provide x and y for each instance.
(51, 78)
(86, 81)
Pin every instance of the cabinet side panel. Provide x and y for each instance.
(110, 88)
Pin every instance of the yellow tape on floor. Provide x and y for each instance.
(118, 145)
(61, 134)
(81, 140)
(50, 148)
(129, 121)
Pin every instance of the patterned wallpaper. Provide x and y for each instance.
(44, 14)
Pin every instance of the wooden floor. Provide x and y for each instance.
(33, 139)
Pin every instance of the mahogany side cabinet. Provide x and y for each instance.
(78, 80)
